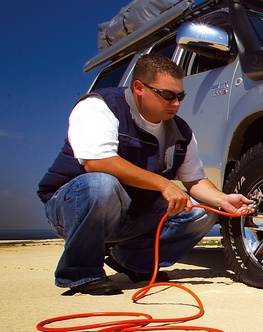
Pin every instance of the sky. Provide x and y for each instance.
(44, 45)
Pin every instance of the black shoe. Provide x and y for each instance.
(135, 276)
(101, 286)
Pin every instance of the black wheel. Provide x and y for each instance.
(243, 237)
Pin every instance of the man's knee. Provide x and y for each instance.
(102, 186)
(206, 222)
(98, 182)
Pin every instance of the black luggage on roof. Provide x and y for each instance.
(128, 42)
(130, 18)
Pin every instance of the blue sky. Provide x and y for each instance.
(44, 45)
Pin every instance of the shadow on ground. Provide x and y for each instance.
(201, 266)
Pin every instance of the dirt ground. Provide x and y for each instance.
(28, 294)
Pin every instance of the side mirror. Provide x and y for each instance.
(204, 39)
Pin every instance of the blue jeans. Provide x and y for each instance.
(91, 210)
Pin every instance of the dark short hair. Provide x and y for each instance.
(148, 66)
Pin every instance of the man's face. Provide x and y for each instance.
(152, 106)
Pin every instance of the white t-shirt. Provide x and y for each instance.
(192, 167)
(93, 134)
(93, 130)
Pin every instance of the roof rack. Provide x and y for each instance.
(154, 29)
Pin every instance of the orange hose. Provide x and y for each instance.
(141, 324)
(227, 214)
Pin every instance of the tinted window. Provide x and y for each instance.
(257, 23)
(112, 75)
(165, 48)
(196, 63)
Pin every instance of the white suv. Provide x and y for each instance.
(220, 46)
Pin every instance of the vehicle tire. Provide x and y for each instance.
(243, 237)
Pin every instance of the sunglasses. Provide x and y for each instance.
(167, 94)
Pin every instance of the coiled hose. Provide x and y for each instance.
(144, 322)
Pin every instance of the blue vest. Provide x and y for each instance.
(135, 145)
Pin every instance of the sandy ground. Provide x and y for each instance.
(28, 294)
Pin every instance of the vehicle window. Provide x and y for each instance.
(197, 63)
(256, 19)
(165, 48)
(111, 75)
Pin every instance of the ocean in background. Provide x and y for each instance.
(35, 234)
(43, 234)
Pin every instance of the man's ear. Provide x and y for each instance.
(138, 87)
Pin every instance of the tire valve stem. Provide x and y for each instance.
(248, 219)
(253, 205)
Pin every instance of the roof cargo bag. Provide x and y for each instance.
(130, 18)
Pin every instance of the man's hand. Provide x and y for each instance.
(236, 203)
(177, 199)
